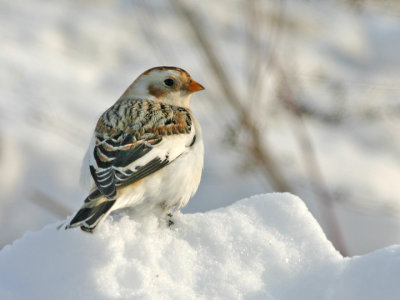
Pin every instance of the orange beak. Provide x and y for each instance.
(194, 86)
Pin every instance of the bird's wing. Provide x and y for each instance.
(134, 139)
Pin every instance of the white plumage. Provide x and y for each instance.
(146, 152)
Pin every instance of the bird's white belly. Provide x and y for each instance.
(170, 187)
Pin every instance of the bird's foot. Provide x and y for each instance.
(170, 222)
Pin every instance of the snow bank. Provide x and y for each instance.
(265, 247)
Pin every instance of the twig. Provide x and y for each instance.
(285, 94)
(261, 150)
(49, 204)
(314, 170)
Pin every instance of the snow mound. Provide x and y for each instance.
(265, 247)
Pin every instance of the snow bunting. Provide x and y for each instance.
(147, 150)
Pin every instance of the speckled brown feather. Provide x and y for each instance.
(144, 119)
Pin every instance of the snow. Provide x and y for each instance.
(63, 63)
(265, 247)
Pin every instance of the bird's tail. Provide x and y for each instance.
(91, 214)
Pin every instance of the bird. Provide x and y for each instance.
(147, 151)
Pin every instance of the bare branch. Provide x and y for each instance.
(261, 150)
(315, 174)
(49, 204)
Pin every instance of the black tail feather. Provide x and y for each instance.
(89, 217)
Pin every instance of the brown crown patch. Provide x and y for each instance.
(166, 68)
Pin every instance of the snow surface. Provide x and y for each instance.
(265, 247)
(62, 63)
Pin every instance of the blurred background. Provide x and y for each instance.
(301, 96)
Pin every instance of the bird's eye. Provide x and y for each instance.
(169, 82)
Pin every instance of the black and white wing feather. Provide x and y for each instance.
(133, 139)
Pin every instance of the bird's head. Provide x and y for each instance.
(170, 85)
